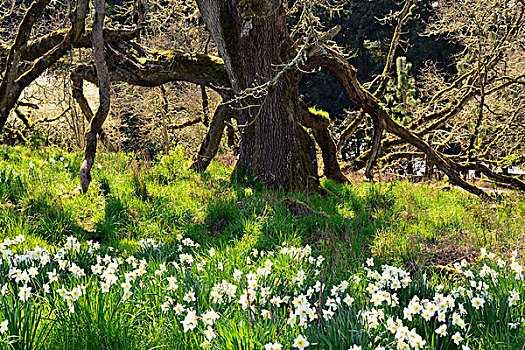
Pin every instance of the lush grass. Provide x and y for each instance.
(397, 222)
(418, 227)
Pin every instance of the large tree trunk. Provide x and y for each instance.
(252, 39)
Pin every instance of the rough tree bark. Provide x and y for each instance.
(104, 94)
(253, 39)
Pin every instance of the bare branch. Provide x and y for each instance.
(104, 94)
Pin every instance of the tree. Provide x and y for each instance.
(469, 117)
(253, 42)
(253, 39)
(262, 63)
(16, 77)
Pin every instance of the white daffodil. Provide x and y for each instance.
(442, 330)
(24, 293)
(477, 302)
(190, 321)
(348, 300)
(273, 346)
(3, 326)
(457, 338)
(300, 342)
(209, 333)
(210, 317)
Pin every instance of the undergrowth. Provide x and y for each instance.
(418, 227)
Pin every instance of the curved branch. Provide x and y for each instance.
(346, 76)
(400, 155)
(438, 119)
(477, 166)
(403, 16)
(77, 88)
(38, 47)
(52, 56)
(137, 65)
(185, 124)
(14, 57)
(12, 85)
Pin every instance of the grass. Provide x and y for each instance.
(418, 227)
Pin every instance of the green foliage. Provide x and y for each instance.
(138, 180)
(28, 324)
(11, 185)
(401, 96)
(368, 39)
(416, 226)
(315, 110)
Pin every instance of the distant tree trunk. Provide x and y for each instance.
(410, 166)
(429, 168)
(104, 93)
(212, 140)
(252, 38)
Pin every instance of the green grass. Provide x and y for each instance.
(419, 227)
(397, 221)
(412, 225)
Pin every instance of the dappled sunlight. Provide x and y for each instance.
(224, 265)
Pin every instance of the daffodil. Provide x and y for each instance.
(457, 338)
(442, 330)
(24, 293)
(209, 333)
(300, 342)
(477, 302)
(3, 326)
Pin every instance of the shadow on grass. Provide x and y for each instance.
(116, 217)
(48, 219)
(394, 222)
(341, 226)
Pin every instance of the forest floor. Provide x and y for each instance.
(427, 229)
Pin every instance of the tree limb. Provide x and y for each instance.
(137, 65)
(346, 76)
(210, 144)
(12, 85)
(185, 124)
(77, 88)
(104, 93)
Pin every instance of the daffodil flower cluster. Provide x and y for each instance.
(277, 299)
